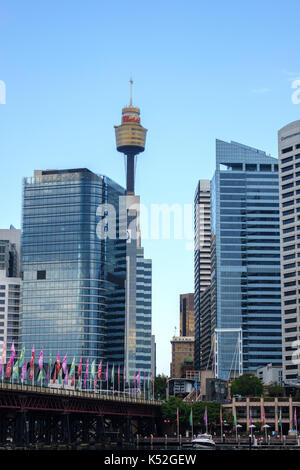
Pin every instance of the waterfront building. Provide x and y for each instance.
(73, 276)
(202, 268)
(245, 263)
(289, 182)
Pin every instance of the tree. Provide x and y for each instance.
(247, 385)
(275, 390)
(160, 384)
(169, 410)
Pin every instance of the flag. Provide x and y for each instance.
(15, 374)
(60, 377)
(280, 418)
(295, 418)
(24, 371)
(100, 371)
(66, 378)
(113, 373)
(41, 360)
(86, 373)
(177, 416)
(205, 416)
(221, 418)
(39, 377)
(79, 370)
(191, 417)
(195, 385)
(13, 352)
(93, 372)
(57, 363)
(21, 359)
(1, 369)
(64, 364)
(106, 373)
(263, 417)
(31, 369)
(8, 369)
(72, 368)
(49, 369)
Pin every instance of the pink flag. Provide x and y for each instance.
(139, 378)
(106, 373)
(205, 416)
(41, 360)
(64, 364)
(100, 371)
(13, 352)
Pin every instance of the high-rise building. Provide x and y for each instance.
(289, 181)
(187, 314)
(130, 141)
(153, 356)
(74, 275)
(205, 330)
(245, 278)
(182, 350)
(202, 261)
(10, 288)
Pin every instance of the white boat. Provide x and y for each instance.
(203, 441)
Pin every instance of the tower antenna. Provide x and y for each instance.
(131, 83)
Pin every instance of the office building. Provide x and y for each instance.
(289, 182)
(74, 275)
(182, 349)
(202, 268)
(245, 264)
(10, 289)
(187, 314)
(205, 330)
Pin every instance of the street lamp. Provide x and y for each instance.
(266, 426)
(252, 426)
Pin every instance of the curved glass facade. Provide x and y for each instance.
(245, 257)
(73, 291)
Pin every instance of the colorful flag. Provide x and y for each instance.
(49, 369)
(205, 416)
(195, 385)
(60, 377)
(113, 373)
(64, 364)
(21, 359)
(57, 363)
(24, 371)
(13, 352)
(221, 417)
(39, 377)
(72, 368)
(8, 369)
(280, 418)
(15, 374)
(86, 373)
(41, 360)
(100, 371)
(93, 373)
(66, 378)
(191, 417)
(1, 369)
(106, 373)
(79, 370)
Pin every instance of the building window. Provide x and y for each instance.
(40, 275)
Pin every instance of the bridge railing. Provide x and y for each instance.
(78, 393)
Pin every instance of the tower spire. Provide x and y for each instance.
(131, 83)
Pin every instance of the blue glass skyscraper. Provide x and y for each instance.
(74, 279)
(245, 270)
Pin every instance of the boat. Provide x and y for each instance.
(203, 441)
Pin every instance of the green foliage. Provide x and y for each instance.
(169, 409)
(247, 385)
(275, 390)
(160, 384)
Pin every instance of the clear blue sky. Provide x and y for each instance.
(202, 70)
